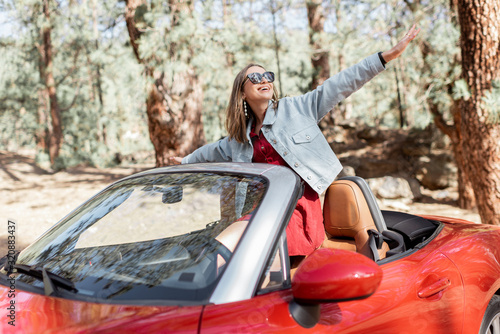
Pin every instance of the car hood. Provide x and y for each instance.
(34, 313)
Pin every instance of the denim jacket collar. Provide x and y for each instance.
(270, 114)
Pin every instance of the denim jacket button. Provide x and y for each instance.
(308, 137)
(309, 177)
(296, 164)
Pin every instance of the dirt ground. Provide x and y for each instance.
(35, 199)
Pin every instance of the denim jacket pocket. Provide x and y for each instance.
(306, 135)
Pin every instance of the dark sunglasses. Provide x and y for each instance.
(256, 78)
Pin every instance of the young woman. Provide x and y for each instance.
(286, 132)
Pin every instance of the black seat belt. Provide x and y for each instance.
(375, 241)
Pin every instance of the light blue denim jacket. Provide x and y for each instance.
(293, 129)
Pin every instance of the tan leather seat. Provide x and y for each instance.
(348, 219)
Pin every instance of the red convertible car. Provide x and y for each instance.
(202, 249)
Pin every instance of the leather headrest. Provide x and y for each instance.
(346, 211)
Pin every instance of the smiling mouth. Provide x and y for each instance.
(264, 88)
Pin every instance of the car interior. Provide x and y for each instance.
(353, 221)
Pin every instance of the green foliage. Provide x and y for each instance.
(18, 99)
(461, 90)
(492, 101)
(101, 89)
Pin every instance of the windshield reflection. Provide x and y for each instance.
(164, 237)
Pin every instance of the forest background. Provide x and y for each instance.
(101, 82)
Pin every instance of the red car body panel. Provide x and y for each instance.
(476, 252)
(435, 289)
(41, 314)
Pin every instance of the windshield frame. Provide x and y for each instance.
(241, 279)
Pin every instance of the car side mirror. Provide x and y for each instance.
(331, 275)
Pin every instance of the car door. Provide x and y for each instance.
(419, 293)
(267, 312)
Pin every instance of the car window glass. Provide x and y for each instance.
(276, 274)
(193, 212)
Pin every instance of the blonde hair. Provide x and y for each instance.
(236, 122)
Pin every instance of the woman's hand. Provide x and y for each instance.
(398, 49)
(174, 160)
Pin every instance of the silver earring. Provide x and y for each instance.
(245, 106)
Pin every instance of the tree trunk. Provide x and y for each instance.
(95, 30)
(42, 135)
(402, 118)
(346, 106)
(175, 126)
(320, 54)
(101, 132)
(480, 44)
(276, 45)
(56, 136)
(173, 104)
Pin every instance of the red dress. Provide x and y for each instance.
(305, 231)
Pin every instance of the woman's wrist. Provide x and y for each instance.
(387, 55)
(382, 59)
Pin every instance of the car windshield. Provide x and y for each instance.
(160, 239)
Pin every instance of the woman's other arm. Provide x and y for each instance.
(220, 151)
